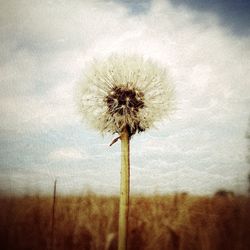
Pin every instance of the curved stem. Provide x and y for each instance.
(124, 191)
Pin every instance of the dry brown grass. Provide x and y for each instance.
(171, 222)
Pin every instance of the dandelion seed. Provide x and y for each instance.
(131, 92)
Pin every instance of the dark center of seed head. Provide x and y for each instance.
(124, 100)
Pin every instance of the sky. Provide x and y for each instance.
(45, 45)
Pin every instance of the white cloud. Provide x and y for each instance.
(70, 154)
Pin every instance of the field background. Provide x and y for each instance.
(178, 221)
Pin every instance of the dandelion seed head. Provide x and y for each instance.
(124, 92)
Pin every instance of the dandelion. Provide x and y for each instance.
(124, 95)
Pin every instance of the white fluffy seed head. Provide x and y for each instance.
(124, 92)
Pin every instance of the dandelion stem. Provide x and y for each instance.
(124, 190)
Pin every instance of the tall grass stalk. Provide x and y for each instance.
(53, 218)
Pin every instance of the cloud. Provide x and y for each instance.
(67, 154)
(234, 15)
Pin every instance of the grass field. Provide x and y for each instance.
(179, 221)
